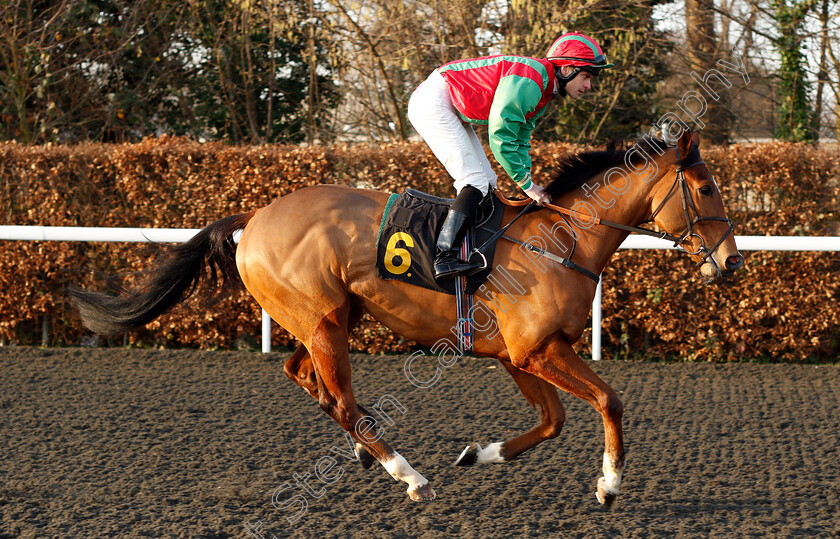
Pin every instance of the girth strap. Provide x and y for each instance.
(464, 305)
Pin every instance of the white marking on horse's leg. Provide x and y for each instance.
(610, 483)
(401, 470)
(491, 453)
(464, 452)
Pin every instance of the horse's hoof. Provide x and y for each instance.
(422, 493)
(468, 456)
(605, 498)
(365, 458)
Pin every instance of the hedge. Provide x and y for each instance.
(781, 307)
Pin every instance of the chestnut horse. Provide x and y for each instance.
(308, 259)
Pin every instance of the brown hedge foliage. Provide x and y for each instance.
(781, 307)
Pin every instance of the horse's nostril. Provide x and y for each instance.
(734, 262)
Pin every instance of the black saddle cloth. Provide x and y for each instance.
(408, 234)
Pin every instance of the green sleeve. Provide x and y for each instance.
(509, 131)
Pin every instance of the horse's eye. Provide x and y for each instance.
(706, 191)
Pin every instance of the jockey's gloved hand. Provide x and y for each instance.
(538, 194)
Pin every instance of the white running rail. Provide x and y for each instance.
(177, 235)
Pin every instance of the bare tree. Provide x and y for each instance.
(56, 66)
(385, 48)
(835, 86)
(703, 52)
(823, 70)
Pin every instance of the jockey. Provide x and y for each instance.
(507, 94)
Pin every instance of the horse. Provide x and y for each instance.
(308, 259)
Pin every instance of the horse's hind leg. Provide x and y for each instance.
(328, 346)
(298, 367)
(552, 415)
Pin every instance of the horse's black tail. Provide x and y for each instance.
(211, 252)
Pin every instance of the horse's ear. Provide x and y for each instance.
(684, 143)
(695, 138)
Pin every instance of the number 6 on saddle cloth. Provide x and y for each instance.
(408, 234)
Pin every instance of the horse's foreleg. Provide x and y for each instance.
(555, 361)
(537, 392)
(335, 396)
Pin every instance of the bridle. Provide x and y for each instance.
(692, 217)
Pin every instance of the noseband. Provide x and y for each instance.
(692, 217)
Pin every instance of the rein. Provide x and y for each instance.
(567, 262)
(692, 217)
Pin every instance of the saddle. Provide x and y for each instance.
(408, 234)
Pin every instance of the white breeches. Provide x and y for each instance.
(453, 142)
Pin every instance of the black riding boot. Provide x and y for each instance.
(447, 263)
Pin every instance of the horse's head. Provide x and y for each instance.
(691, 209)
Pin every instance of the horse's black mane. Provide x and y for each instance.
(575, 169)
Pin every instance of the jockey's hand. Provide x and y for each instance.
(538, 195)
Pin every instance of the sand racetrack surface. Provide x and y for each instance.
(129, 443)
